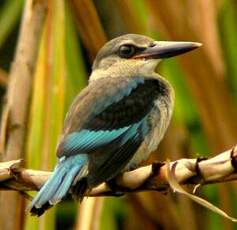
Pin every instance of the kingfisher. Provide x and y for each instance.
(116, 121)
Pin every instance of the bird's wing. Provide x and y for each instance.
(108, 121)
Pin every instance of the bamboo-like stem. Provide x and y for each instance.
(218, 169)
(16, 109)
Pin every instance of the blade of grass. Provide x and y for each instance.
(36, 119)
(228, 36)
(48, 101)
(9, 16)
(76, 78)
(89, 26)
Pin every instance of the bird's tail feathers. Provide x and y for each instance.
(67, 173)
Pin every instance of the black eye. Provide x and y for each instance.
(127, 51)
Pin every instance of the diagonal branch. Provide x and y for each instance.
(217, 169)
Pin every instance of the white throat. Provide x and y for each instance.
(126, 68)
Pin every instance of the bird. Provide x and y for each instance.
(116, 121)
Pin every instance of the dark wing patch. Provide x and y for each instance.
(129, 110)
(109, 162)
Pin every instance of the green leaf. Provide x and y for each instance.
(9, 17)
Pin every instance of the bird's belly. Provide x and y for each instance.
(149, 144)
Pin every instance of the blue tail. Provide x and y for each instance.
(66, 173)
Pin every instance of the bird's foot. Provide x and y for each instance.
(115, 188)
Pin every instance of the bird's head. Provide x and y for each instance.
(135, 54)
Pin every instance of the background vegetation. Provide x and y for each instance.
(204, 120)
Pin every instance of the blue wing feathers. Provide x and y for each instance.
(87, 140)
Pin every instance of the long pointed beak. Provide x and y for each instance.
(165, 49)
